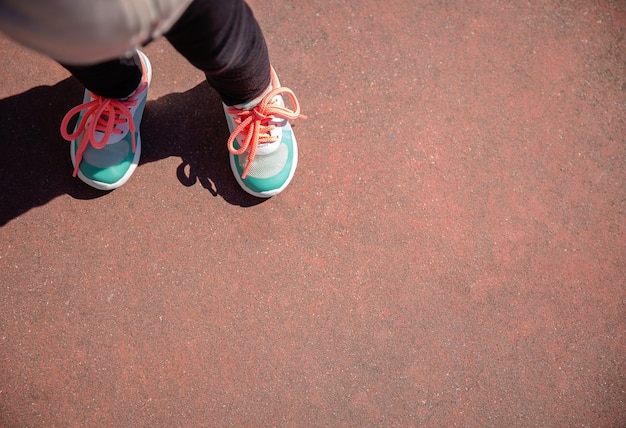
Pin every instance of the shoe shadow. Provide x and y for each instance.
(35, 166)
(191, 125)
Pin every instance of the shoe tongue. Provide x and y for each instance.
(113, 138)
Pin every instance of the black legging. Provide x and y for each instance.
(220, 37)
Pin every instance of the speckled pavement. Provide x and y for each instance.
(451, 251)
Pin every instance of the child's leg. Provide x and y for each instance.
(111, 79)
(223, 39)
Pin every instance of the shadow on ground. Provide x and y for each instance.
(35, 164)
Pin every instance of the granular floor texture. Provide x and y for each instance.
(451, 251)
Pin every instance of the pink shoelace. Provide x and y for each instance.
(101, 115)
(255, 124)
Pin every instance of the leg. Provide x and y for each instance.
(111, 79)
(223, 39)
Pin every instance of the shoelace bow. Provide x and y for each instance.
(255, 124)
(101, 115)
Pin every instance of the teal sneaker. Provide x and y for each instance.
(263, 149)
(106, 144)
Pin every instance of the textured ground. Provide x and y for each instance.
(451, 252)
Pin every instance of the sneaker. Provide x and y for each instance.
(263, 150)
(106, 145)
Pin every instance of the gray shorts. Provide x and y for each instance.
(83, 32)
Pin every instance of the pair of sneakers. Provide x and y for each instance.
(106, 144)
